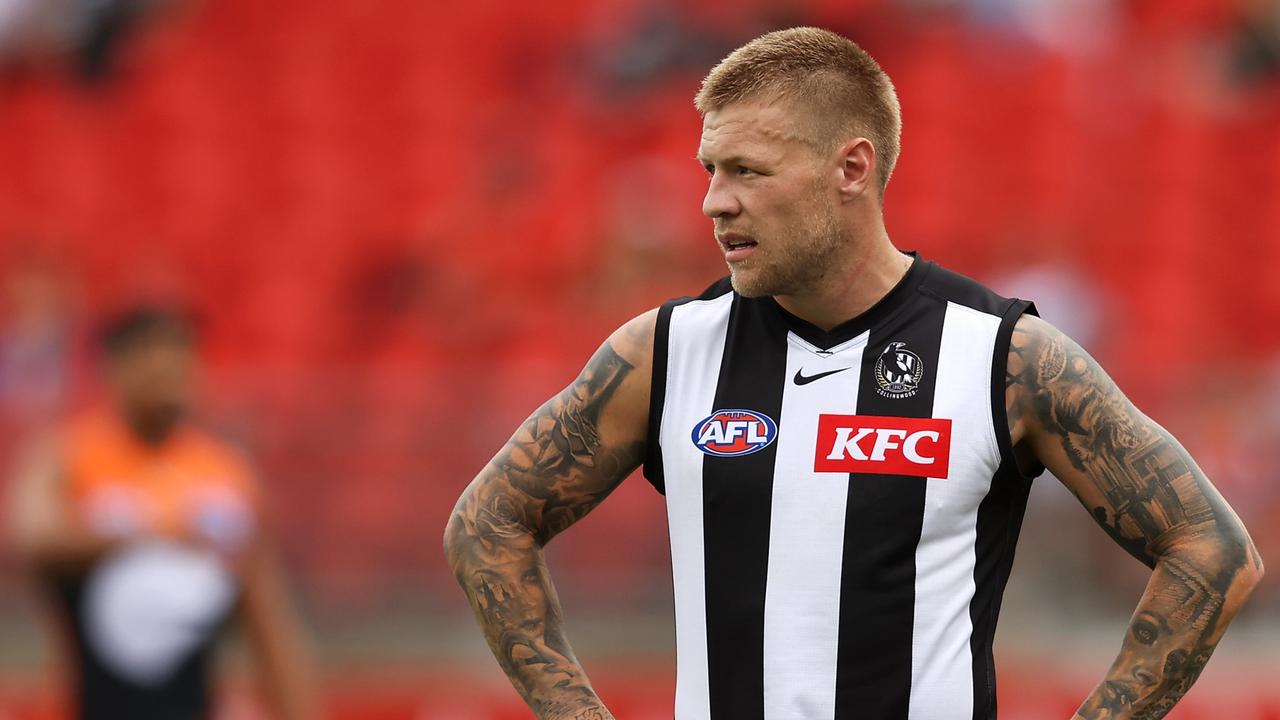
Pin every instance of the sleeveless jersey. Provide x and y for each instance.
(843, 506)
(144, 618)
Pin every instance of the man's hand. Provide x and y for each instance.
(285, 662)
(1143, 488)
(566, 458)
(44, 531)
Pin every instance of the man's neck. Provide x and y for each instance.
(150, 434)
(853, 289)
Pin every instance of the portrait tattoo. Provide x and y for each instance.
(1148, 494)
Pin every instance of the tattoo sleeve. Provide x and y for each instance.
(557, 466)
(1147, 493)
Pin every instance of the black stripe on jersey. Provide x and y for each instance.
(883, 522)
(737, 493)
(1013, 311)
(998, 524)
(657, 396)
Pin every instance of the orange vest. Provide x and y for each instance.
(191, 487)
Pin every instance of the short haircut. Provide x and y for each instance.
(144, 325)
(844, 87)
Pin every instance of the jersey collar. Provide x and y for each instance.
(852, 328)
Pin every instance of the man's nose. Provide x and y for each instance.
(720, 201)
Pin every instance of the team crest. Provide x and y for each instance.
(898, 371)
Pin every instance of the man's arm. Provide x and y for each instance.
(562, 462)
(44, 534)
(1143, 488)
(276, 637)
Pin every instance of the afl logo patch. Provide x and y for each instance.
(898, 371)
(729, 433)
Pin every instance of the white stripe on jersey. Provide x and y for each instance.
(806, 539)
(697, 337)
(941, 657)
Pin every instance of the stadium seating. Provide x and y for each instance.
(435, 189)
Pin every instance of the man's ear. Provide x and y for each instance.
(857, 168)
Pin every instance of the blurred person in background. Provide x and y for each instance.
(849, 564)
(1255, 42)
(38, 343)
(148, 535)
(89, 31)
(1076, 27)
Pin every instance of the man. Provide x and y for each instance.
(148, 534)
(35, 31)
(846, 435)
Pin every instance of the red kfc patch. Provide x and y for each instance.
(883, 445)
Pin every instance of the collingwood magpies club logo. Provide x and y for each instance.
(898, 371)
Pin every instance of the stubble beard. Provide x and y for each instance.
(793, 265)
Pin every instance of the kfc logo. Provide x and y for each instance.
(883, 445)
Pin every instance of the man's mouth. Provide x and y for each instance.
(736, 247)
(734, 241)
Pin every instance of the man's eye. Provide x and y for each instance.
(711, 169)
(745, 171)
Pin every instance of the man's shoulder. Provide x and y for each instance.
(633, 341)
(717, 289)
(953, 287)
(92, 432)
(656, 322)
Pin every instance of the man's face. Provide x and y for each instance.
(772, 196)
(154, 382)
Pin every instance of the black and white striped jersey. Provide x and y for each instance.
(843, 505)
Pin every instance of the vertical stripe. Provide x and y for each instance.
(690, 386)
(942, 663)
(653, 470)
(736, 496)
(806, 540)
(998, 524)
(999, 520)
(882, 528)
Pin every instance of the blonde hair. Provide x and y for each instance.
(847, 92)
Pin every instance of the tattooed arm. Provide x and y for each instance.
(1144, 489)
(566, 458)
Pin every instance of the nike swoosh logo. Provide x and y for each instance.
(802, 379)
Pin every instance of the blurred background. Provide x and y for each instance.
(405, 224)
